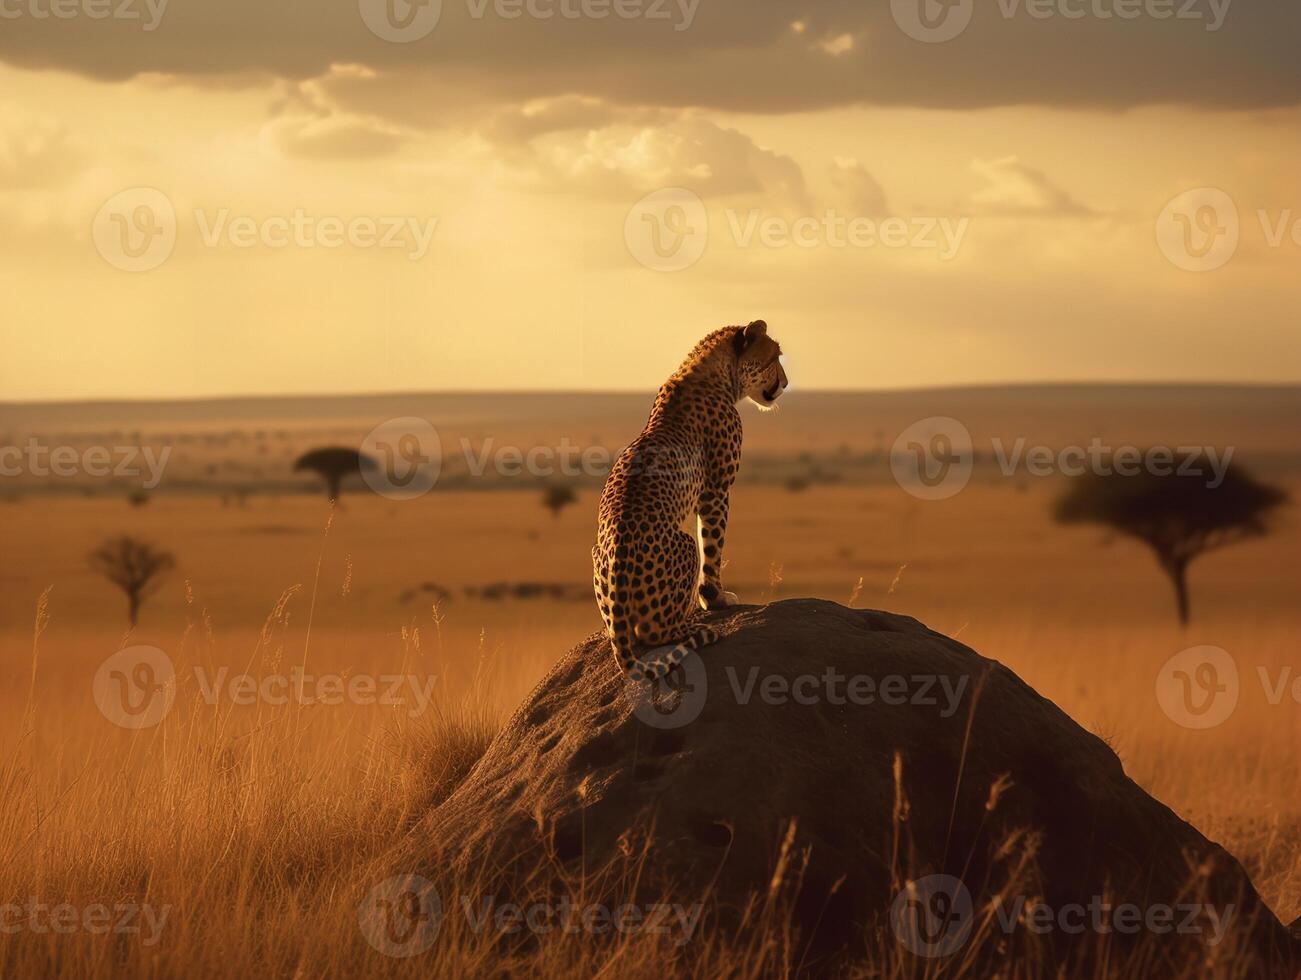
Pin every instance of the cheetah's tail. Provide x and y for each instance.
(639, 668)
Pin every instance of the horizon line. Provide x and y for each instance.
(570, 392)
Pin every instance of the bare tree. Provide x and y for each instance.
(556, 497)
(1178, 516)
(332, 464)
(134, 566)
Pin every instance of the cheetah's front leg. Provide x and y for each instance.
(711, 526)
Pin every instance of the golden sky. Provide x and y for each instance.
(241, 197)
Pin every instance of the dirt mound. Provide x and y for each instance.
(907, 792)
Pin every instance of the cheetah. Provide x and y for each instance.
(652, 577)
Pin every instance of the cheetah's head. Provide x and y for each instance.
(762, 379)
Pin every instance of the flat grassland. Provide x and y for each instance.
(256, 826)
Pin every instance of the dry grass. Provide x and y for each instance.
(260, 828)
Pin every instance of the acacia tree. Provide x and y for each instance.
(332, 464)
(134, 566)
(556, 497)
(1178, 516)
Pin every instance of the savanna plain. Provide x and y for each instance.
(252, 828)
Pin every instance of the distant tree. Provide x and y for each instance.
(137, 498)
(134, 566)
(332, 464)
(1178, 516)
(556, 497)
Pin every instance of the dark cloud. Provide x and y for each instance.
(755, 55)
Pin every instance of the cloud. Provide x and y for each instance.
(743, 55)
(332, 137)
(1015, 189)
(856, 189)
(837, 45)
(308, 123)
(35, 151)
(519, 124)
(598, 147)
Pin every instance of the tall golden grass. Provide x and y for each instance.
(260, 829)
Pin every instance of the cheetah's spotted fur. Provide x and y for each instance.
(652, 577)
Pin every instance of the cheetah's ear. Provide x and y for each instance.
(746, 338)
